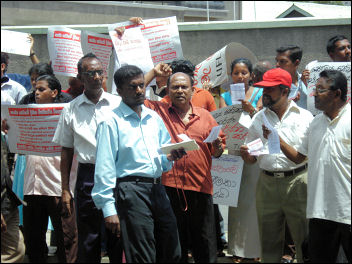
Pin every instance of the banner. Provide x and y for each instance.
(15, 42)
(235, 133)
(316, 69)
(98, 44)
(217, 67)
(32, 128)
(162, 35)
(227, 173)
(65, 50)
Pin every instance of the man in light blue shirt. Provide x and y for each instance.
(128, 170)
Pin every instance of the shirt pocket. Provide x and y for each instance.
(343, 148)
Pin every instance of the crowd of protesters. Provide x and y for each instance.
(159, 207)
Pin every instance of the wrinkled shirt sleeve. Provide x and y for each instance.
(105, 168)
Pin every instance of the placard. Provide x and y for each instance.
(227, 173)
(162, 35)
(15, 42)
(32, 128)
(235, 133)
(65, 50)
(98, 44)
(217, 67)
(317, 68)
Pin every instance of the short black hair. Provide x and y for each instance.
(80, 62)
(184, 66)
(283, 87)
(190, 78)
(41, 69)
(259, 71)
(330, 47)
(125, 73)
(295, 52)
(4, 58)
(337, 80)
(54, 84)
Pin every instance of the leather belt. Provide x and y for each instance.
(282, 174)
(139, 179)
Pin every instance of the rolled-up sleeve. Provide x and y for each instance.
(105, 168)
(64, 132)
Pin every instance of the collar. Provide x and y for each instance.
(127, 111)
(84, 99)
(292, 106)
(195, 110)
(347, 107)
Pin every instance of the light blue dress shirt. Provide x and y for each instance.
(302, 102)
(127, 145)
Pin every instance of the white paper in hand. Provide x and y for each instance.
(273, 138)
(256, 148)
(237, 93)
(187, 143)
(214, 133)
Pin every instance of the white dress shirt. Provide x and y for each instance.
(292, 128)
(329, 167)
(13, 89)
(78, 124)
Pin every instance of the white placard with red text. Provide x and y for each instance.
(162, 35)
(226, 172)
(316, 69)
(65, 50)
(98, 44)
(32, 128)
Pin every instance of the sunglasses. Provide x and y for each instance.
(93, 73)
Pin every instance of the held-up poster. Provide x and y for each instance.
(162, 35)
(316, 69)
(227, 173)
(217, 67)
(98, 44)
(15, 42)
(32, 128)
(65, 50)
(235, 133)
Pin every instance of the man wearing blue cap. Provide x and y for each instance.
(281, 193)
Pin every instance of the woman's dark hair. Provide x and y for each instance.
(246, 62)
(125, 73)
(54, 84)
(41, 69)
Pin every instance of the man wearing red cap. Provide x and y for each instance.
(281, 193)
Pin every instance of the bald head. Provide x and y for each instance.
(187, 76)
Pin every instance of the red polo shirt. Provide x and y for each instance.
(192, 172)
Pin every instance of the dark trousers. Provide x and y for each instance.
(35, 224)
(89, 221)
(198, 220)
(148, 224)
(217, 219)
(325, 238)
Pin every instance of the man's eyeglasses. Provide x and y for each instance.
(92, 73)
(319, 91)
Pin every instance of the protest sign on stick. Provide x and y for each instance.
(316, 69)
(32, 128)
(235, 133)
(162, 35)
(65, 50)
(98, 44)
(226, 172)
(217, 67)
(15, 42)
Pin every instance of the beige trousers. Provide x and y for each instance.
(12, 243)
(277, 200)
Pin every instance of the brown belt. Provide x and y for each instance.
(282, 174)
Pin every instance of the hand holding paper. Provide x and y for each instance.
(237, 93)
(273, 137)
(187, 144)
(214, 133)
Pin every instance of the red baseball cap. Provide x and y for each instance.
(275, 77)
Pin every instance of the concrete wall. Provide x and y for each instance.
(199, 40)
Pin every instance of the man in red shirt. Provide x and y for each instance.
(189, 183)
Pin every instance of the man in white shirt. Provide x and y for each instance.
(328, 147)
(76, 134)
(8, 86)
(282, 188)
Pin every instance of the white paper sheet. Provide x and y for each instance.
(273, 138)
(256, 148)
(214, 133)
(15, 42)
(237, 93)
(187, 145)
